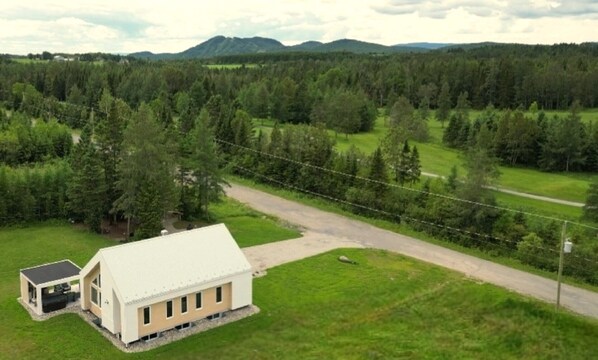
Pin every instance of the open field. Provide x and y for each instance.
(247, 226)
(387, 306)
(230, 66)
(437, 159)
(539, 207)
(24, 60)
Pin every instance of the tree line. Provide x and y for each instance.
(536, 140)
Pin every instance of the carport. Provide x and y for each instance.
(50, 287)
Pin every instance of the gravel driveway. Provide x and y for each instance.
(326, 231)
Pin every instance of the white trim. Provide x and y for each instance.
(91, 290)
(221, 295)
(200, 300)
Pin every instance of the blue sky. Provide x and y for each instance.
(175, 25)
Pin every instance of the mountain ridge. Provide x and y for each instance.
(222, 45)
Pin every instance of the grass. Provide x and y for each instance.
(247, 226)
(406, 230)
(437, 159)
(230, 66)
(539, 207)
(24, 60)
(387, 306)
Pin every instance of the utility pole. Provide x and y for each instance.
(564, 248)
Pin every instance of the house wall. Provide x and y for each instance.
(25, 295)
(24, 289)
(86, 303)
(159, 322)
(242, 294)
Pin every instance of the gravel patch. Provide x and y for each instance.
(165, 337)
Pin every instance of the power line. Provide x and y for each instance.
(357, 177)
(471, 234)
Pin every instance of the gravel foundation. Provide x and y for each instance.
(164, 338)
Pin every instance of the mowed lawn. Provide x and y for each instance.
(248, 227)
(437, 159)
(387, 306)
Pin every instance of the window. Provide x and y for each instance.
(169, 309)
(214, 316)
(183, 304)
(94, 295)
(146, 315)
(198, 300)
(96, 291)
(219, 294)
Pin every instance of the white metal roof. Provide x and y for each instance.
(159, 265)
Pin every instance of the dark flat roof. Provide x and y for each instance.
(50, 272)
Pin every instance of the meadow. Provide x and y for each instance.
(230, 66)
(386, 306)
(247, 226)
(438, 159)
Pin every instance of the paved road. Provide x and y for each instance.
(522, 194)
(328, 225)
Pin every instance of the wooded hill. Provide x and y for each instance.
(220, 46)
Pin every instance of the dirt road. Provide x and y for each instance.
(328, 225)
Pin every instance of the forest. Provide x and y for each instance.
(160, 136)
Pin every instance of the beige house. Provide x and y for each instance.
(140, 289)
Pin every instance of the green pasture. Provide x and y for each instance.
(247, 226)
(386, 306)
(438, 159)
(230, 66)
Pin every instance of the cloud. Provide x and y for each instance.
(174, 25)
(553, 9)
(436, 9)
(486, 8)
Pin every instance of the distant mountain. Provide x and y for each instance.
(219, 46)
(305, 46)
(222, 46)
(425, 45)
(471, 46)
(354, 46)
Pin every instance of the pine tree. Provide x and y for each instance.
(145, 173)
(109, 138)
(444, 103)
(379, 174)
(404, 164)
(452, 179)
(87, 189)
(414, 166)
(206, 173)
(590, 209)
(392, 148)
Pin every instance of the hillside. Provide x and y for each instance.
(223, 46)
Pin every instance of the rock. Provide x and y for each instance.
(345, 259)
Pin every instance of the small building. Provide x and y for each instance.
(140, 289)
(49, 287)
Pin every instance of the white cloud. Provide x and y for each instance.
(174, 25)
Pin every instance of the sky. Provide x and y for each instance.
(125, 26)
